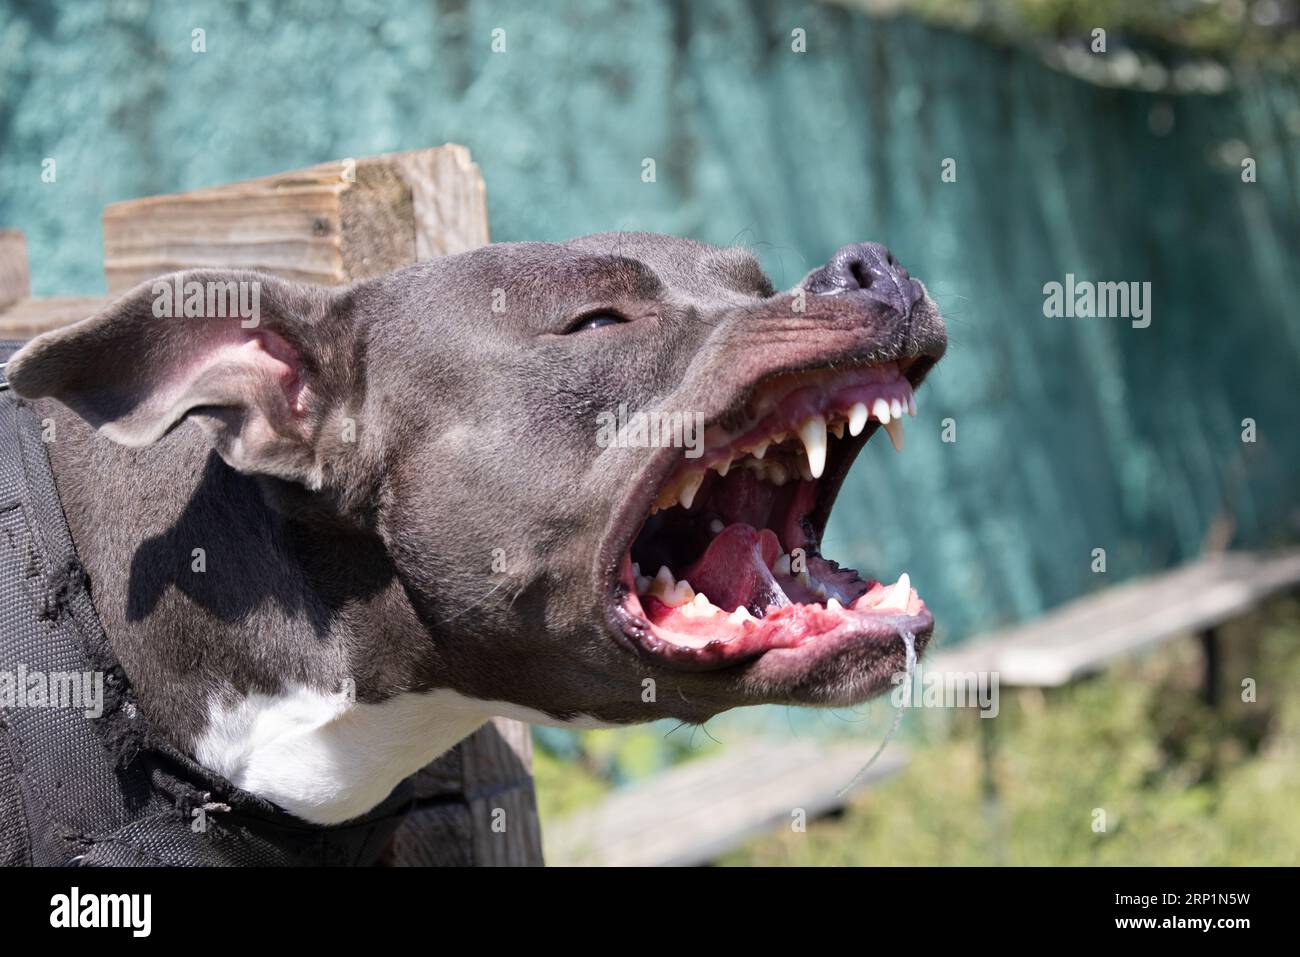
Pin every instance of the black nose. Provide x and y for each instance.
(870, 269)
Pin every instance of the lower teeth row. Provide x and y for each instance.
(680, 594)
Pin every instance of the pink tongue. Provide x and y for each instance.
(736, 569)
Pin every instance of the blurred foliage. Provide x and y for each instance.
(1181, 783)
(1251, 29)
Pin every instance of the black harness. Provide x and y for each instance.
(110, 790)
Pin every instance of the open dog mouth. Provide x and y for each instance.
(727, 564)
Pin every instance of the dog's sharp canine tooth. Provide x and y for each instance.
(880, 409)
(692, 485)
(895, 429)
(898, 596)
(813, 434)
(858, 416)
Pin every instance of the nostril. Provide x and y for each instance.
(870, 269)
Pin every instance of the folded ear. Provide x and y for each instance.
(253, 358)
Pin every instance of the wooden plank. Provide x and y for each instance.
(498, 786)
(31, 317)
(694, 813)
(331, 224)
(1085, 635)
(15, 281)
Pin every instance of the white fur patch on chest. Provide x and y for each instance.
(327, 758)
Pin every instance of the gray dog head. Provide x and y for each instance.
(546, 443)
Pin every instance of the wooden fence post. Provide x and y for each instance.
(332, 224)
(14, 280)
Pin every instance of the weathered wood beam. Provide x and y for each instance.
(331, 224)
(31, 317)
(15, 283)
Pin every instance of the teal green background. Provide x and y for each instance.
(1071, 434)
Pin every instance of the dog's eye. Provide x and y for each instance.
(596, 320)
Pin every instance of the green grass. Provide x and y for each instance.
(1179, 783)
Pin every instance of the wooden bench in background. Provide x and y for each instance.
(696, 812)
(1083, 636)
(332, 224)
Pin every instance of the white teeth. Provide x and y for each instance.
(911, 405)
(898, 596)
(716, 527)
(781, 566)
(895, 408)
(895, 429)
(759, 450)
(821, 592)
(636, 570)
(833, 604)
(669, 592)
(740, 616)
(880, 409)
(687, 494)
(858, 415)
(813, 434)
(700, 607)
(723, 468)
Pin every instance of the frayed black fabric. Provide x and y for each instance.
(109, 789)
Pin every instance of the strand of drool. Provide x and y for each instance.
(909, 640)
